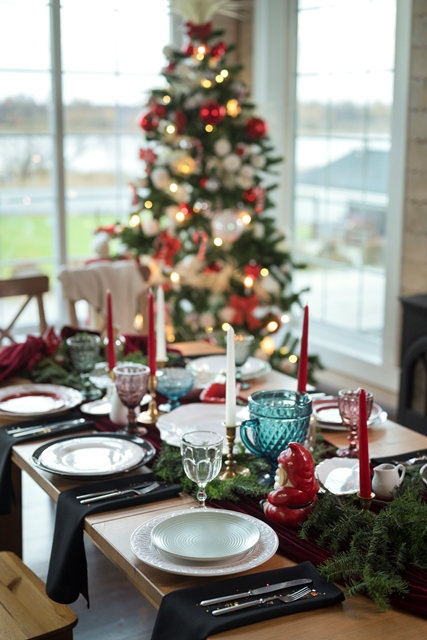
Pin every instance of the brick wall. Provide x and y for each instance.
(414, 253)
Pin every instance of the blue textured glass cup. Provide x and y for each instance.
(276, 419)
(174, 383)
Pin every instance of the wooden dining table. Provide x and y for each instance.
(357, 617)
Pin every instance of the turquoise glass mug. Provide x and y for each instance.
(276, 419)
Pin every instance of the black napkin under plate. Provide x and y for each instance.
(67, 575)
(7, 442)
(180, 611)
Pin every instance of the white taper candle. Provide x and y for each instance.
(230, 383)
(160, 326)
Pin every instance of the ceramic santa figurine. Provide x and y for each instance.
(295, 487)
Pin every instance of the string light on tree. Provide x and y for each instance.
(206, 156)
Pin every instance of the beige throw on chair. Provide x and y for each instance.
(90, 282)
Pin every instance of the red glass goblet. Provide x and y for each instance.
(131, 383)
(348, 405)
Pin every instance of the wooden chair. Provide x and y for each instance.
(26, 612)
(30, 287)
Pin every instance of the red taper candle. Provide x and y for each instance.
(364, 469)
(151, 335)
(303, 356)
(111, 353)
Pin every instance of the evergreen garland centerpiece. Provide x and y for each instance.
(200, 212)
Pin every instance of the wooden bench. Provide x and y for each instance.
(26, 612)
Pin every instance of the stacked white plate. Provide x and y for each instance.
(196, 416)
(204, 542)
(328, 416)
(208, 369)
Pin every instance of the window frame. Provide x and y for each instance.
(274, 89)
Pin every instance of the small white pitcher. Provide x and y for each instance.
(387, 477)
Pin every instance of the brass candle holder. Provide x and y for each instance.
(230, 468)
(161, 364)
(152, 414)
(365, 503)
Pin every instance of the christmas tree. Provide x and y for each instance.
(200, 212)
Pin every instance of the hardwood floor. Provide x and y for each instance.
(117, 610)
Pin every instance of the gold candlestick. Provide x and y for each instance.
(152, 414)
(365, 503)
(231, 469)
(161, 364)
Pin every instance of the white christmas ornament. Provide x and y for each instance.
(258, 230)
(247, 171)
(227, 226)
(244, 183)
(160, 178)
(232, 162)
(168, 52)
(151, 227)
(258, 162)
(206, 320)
(222, 147)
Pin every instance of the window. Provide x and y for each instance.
(109, 53)
(342, 132)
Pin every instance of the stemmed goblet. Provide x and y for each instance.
(348, 405)
(201, 453)
(83, 349)
(242, 350)
(131, 381)
(173, 382)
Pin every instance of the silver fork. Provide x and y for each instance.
(296, 595)
(121, 494)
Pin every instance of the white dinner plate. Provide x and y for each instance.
(328, 416)
(208, 368)
(33, 400)
(339, 475)
(205, 536)
(101, 407)
(190, 417)
(93, 455)
(148, 553)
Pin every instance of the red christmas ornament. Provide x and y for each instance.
(213, 267)
(218, 50)
(158, 110)
(256, 128)
(249, 195)
(166, 247)
(240, 149)
(253, 270)
(203, 182)
(170, 68)
(184, 208)
(212, 112)
(147, 121)
(188, 50)
(180, 121)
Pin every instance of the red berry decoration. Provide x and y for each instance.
(147, 121)
(212, 112)
(256, 128)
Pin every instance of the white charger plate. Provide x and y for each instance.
(205, 535)
(339, 475)
(93, 455)
(328, 416)
(148, 553)
(207, 369)
(33, 400)
(193, 416)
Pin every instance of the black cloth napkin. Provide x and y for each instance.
(181, 616)
(67, 574)
(7, 441)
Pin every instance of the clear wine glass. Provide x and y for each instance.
(84, 349)
(131, 381)
(348, 405)
(243, 345)
(174, 383)
(201, 453)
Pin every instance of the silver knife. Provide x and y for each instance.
(97, 494)
(120, 494)
(19, 432)
(255, 592)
